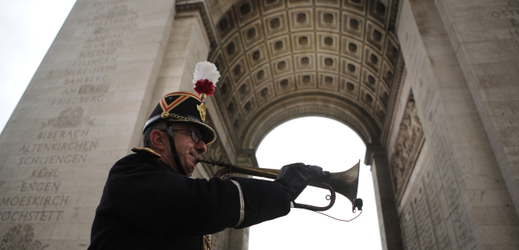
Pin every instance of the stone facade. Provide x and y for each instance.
(430, 86)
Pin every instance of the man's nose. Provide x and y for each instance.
(201, 147)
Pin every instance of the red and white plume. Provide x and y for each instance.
(205, 77)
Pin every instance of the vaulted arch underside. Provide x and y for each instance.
(283, 59)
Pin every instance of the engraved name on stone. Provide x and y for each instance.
(63, 134)
(98, 59)
(424, 220)
(30, 215)
(511, 16)
(78, 100)
(411, 239)
(85, 145)
(436, 211)
(460, 223)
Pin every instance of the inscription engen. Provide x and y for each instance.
(40, 186)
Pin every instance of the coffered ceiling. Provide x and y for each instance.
(270, 51)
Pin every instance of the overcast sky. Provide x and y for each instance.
(28, 28)
(336, 148)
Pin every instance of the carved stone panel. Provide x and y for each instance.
(407, 147)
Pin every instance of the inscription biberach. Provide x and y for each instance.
(63, 134)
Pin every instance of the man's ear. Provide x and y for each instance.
(159, 140)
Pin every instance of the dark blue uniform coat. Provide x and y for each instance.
(145, 205)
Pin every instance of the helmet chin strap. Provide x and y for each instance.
(174, 152)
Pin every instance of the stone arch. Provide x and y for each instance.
(270, 51)
(312, 105)
(284, 59)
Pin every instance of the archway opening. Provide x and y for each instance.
(335, 147)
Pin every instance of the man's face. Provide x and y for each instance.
(187, 149)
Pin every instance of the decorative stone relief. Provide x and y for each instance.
(407, 147)
(21, 238)
(70, 117)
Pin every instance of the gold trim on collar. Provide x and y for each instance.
(146, 151)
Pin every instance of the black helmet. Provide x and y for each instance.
(183, 107)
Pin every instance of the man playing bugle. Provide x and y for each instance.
(149, 200)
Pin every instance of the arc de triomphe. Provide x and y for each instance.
(430, 86)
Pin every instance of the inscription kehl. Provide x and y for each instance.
(44, 173)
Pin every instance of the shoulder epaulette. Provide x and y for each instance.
(146, 151)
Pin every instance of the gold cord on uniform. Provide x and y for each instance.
(207, 242)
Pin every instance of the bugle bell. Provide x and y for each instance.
(345, 183)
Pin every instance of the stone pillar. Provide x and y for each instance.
(386, 206)
(238, 239)
(485, 39)
(83, 110)
(464, 177)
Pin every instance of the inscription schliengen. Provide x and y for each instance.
(42, 160)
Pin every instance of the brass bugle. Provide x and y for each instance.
(345, 183)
